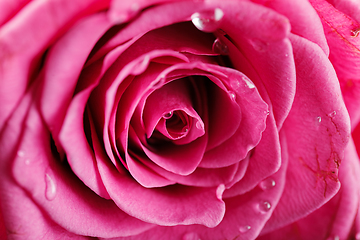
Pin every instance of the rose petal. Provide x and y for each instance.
(261, 35)
(242, 211)
(349, 7)
(162, 206)
(55, 190)
(340, 33)
(304, 20)
(63, 66)
(10, 8)
(334, 219)
(37, 15)
(316, 155)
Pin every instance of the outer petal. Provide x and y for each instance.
(335, 219)
(342, 36)
(317, 131)
(9, 8)
(243, 219)
(51, 186)
(19, 59)
(261, 36)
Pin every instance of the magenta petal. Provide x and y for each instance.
(63, 67)
(261, 35)
(252, 210)
(35, 24)
(173, 97)
(303, 18)
(162, 206)
(10, 8)
(335, 219)
(259, 165)
(323, 127)
(56, 191)
(340, 33)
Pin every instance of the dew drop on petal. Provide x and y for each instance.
(220, 48)
(249, 84)
(207, 21)
(168, 115)
(232, 95)
(264, 206)
(21, 153)
(191, 236)
(50, 188)
(259, 45)
(267, 184)
(244, 229)
(332, 114)
(318, 119)
(286, 55)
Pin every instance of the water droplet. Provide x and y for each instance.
(50, 189)
(267, 184)
(355, 32)
(191, 236)
(249, 83)
(232, 95)
(207, 21)
(244, 229)
(118, 15)
(220, 48)
(168, 115)
(267, 112)
(332, 114)
(336, 238)
(21, 153)
(141, 66)
(259, 45)
(286, 55)
(318, 119)
(264, 206)
(199, 125)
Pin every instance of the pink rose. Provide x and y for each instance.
(177, 119)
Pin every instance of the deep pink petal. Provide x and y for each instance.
(241, 212)
(317, 131)
(162, 206)
(260, 166)
(261, 36)
(55, 190)
(304, 20)
(35, 24)
(349, 7)
(344, 43)
(334, 219)
(10, 8)
(236, 145)
(63, 66)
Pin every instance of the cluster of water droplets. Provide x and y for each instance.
(50, 184)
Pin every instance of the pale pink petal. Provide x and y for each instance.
(317, 130)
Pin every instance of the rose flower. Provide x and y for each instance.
(134, 119)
